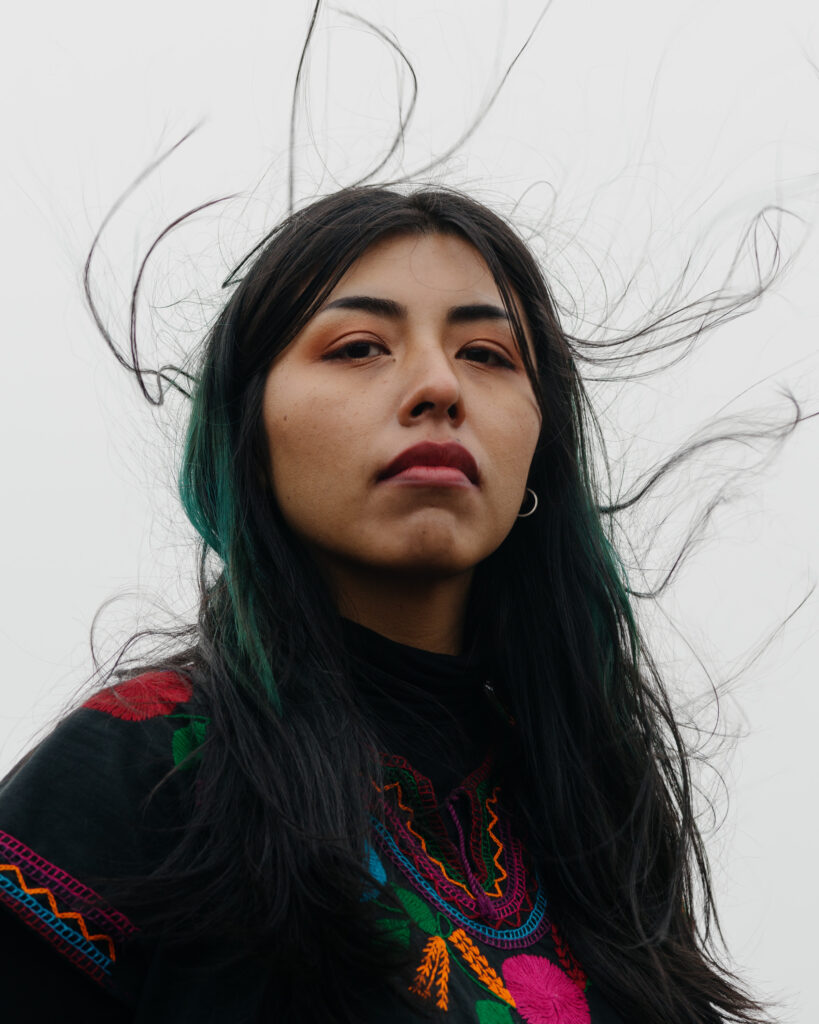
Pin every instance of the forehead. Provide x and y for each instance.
(429, 275)
(431, 267)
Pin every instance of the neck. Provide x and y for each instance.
(427, 613)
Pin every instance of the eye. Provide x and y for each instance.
(485, 355)
(356, 350)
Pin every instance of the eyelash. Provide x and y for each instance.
(501, 359)
(342, 354)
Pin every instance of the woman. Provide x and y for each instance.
(414, 759)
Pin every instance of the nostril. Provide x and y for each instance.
(452, 412)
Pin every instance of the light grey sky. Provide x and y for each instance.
(646, 131)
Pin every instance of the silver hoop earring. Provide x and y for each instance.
(525, 515)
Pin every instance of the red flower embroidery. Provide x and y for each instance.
(147, 696)
(543, 994)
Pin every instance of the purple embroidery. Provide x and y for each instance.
(65, 912)
(64, 886)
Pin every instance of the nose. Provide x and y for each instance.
(433, 390)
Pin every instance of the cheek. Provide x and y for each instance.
(286, 424)
(307, 453)
(517, 446)
(513, 445)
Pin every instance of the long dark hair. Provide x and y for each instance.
(600, 785)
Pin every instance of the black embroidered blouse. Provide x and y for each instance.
(472, 908)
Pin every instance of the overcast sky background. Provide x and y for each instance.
(640, 133)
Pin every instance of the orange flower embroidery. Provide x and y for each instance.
(480, 965)
(433, 973)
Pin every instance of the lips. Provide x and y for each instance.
(428, 453)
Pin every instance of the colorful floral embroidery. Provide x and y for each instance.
(469, 888)
(568, 961)
(395, 931)
(66, 913)
(187, 740)
(374, 865)
(542, 993)
(417, 910)
(376, 871)
(537, 988)
(479, 964)
(432, 976)
(147, 696)
(481, 883)
(490, 1012)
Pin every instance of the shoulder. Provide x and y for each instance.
(99, 798)
(103, 761)
(170, 715)
(153, 710)
(146, 696)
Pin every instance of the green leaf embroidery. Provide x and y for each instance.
(418, 910)
(490, 1012)
(395, 930)
(187, 740)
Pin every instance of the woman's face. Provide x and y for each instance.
(412, 347)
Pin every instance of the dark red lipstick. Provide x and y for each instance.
(448, 456)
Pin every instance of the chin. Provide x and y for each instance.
(430, 568)
(436, 553)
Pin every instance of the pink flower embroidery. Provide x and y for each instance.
(543, 994)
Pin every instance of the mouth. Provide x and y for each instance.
(443, 465)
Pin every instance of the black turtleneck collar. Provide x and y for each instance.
(429, 708)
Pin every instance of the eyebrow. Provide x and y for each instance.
(395, 311)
